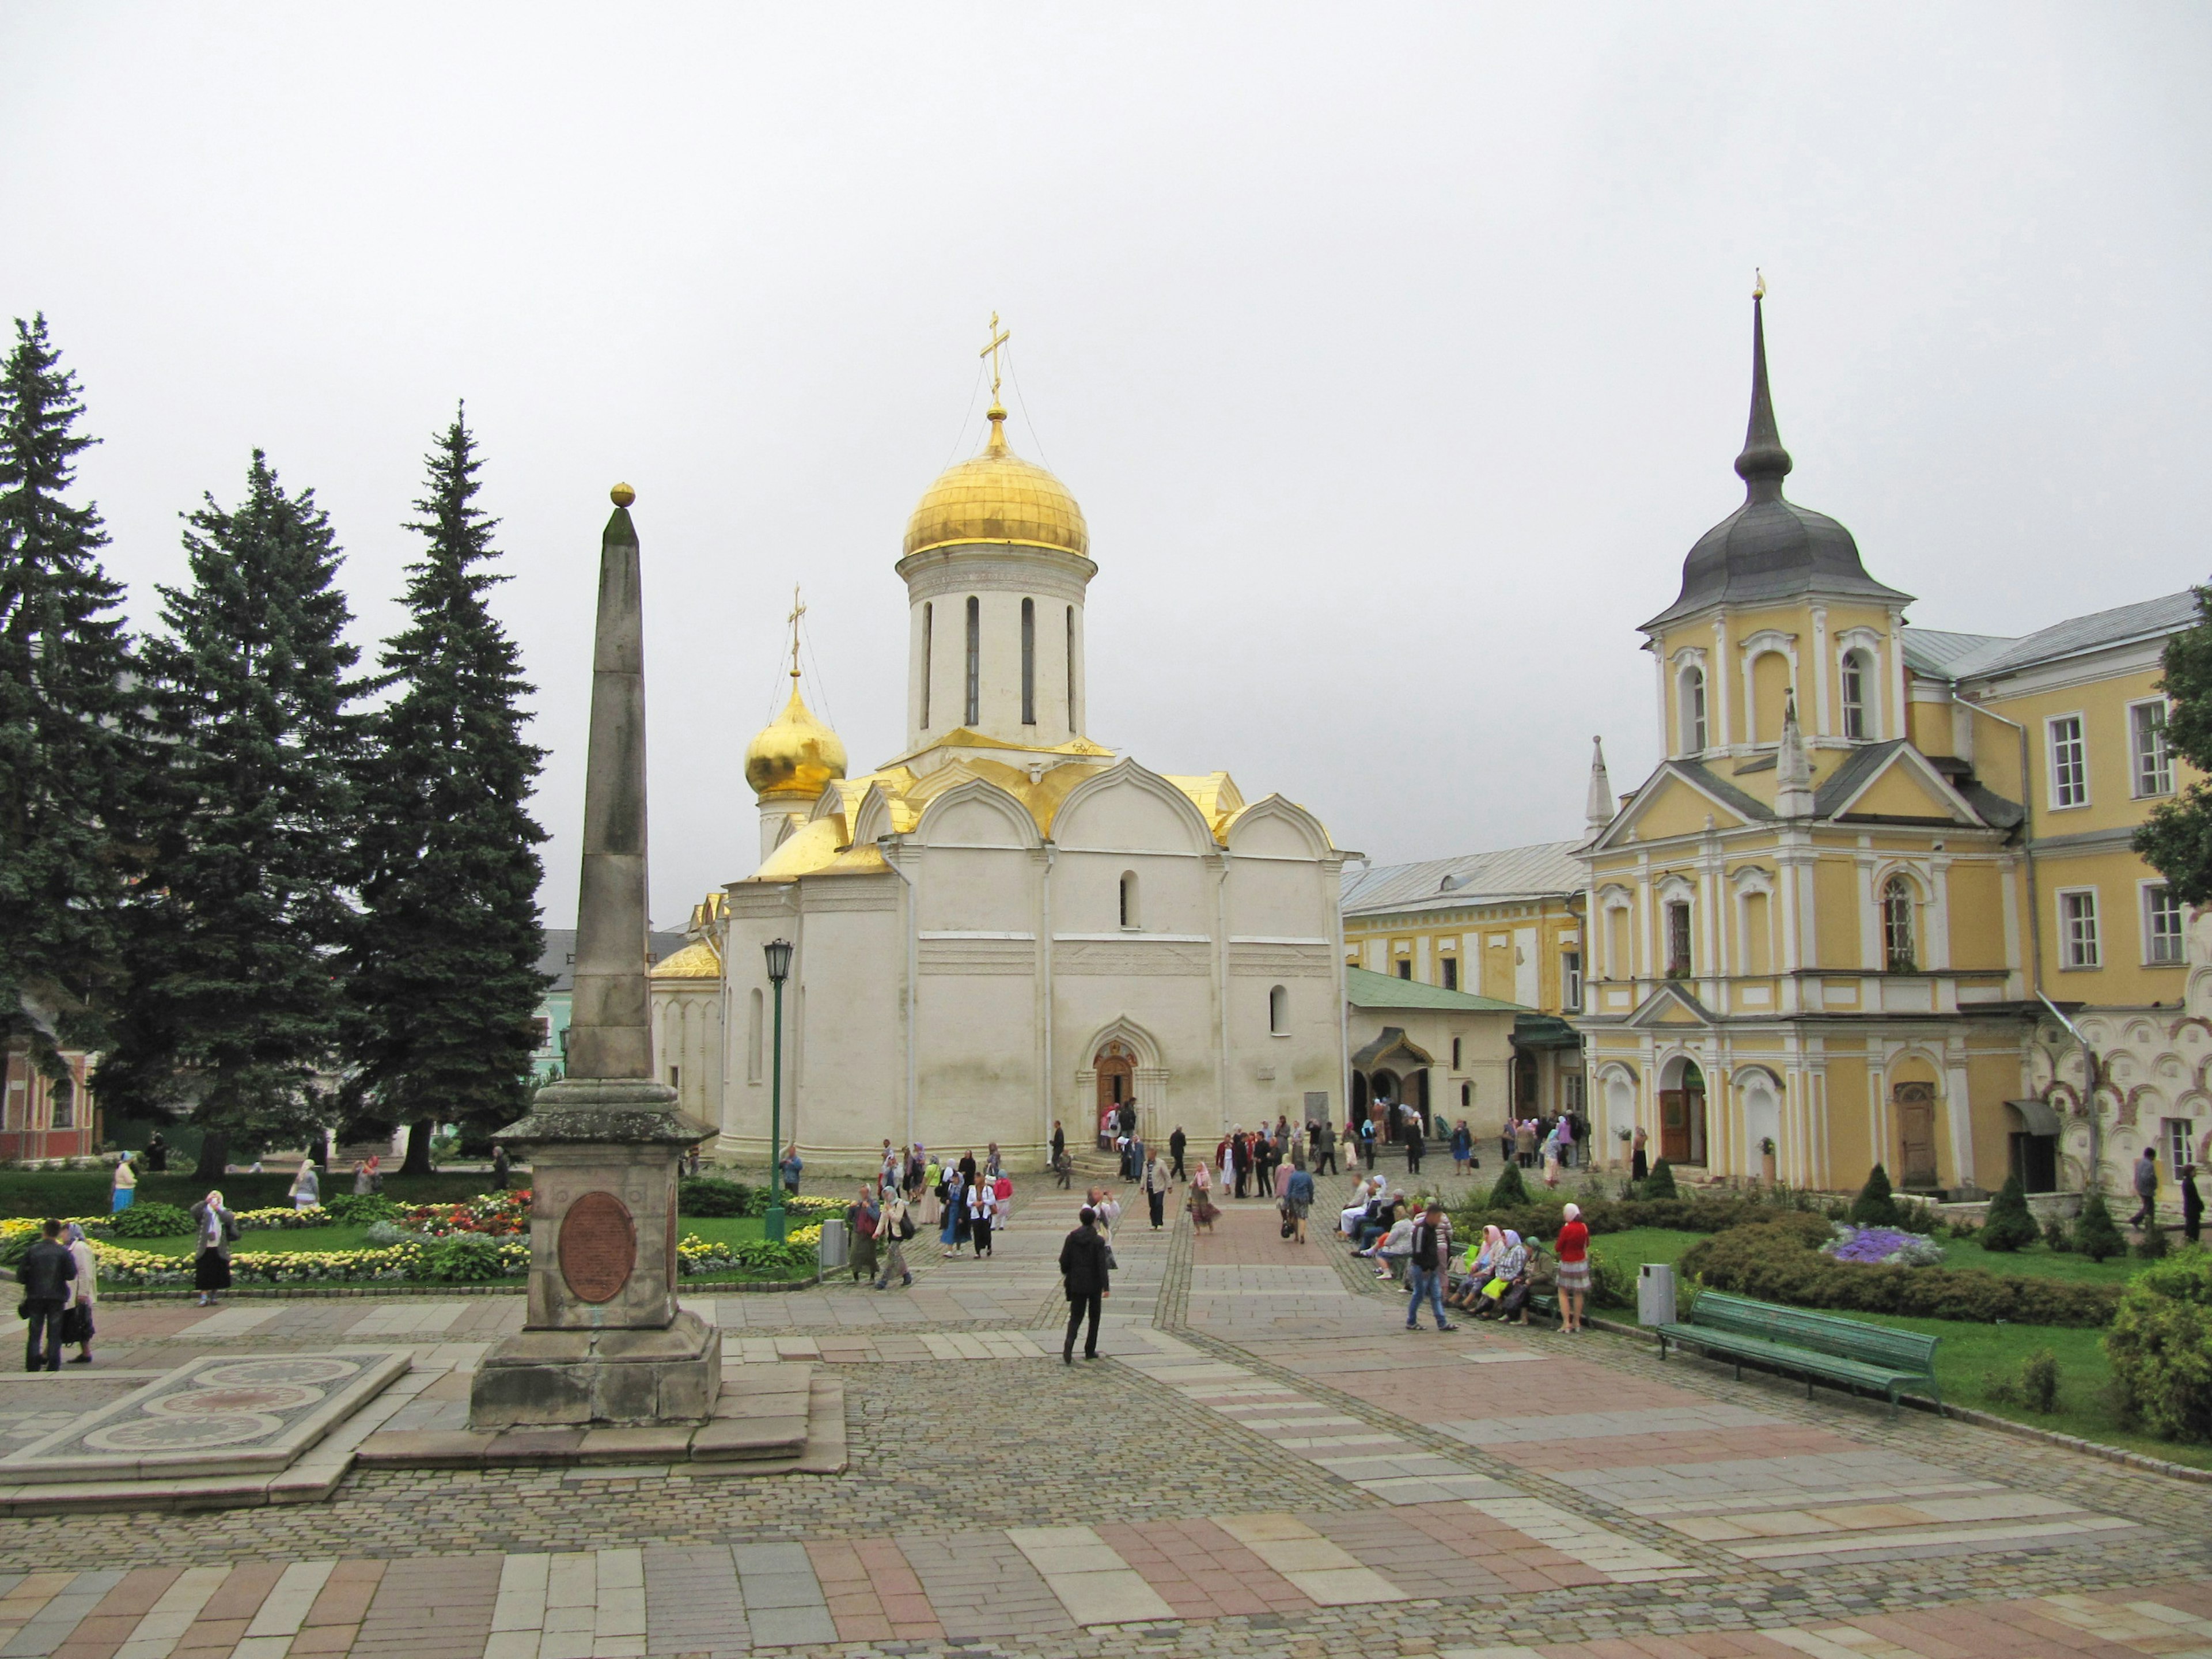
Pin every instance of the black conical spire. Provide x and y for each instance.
(1765, 462)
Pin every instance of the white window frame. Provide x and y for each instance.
(2161, 762)
(1571, 981)
(2174, 1135)
(1899, 882)
(2145, 916)
(2050, 740)
(1685, 966)
(1693, 690)
(2068, 961)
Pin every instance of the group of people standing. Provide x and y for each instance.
(1557, 1143)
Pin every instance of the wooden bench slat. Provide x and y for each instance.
(1816, 1345)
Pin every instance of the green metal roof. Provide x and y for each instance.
(1365, 988)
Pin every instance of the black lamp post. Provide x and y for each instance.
(777, 952)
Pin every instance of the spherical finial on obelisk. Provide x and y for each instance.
(621, 495)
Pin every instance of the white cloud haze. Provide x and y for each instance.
(1396, 354)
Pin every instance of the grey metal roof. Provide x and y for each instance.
(558, 959)
(1547, 868)
(2148, 619)
(1931, 652)
(1746, 807)
(1851, 776)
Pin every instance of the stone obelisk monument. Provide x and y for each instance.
(604, 1343)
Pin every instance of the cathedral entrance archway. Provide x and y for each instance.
(1682, 1114)
(1115, 1066)
(1121, 1064)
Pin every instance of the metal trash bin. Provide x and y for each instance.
(1655, 1294)
(836, 1248)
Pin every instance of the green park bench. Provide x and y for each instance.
(1816, 1345)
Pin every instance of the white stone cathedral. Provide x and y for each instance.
(1005, 925)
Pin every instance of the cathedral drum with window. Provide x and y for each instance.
(1006, 925)
(1880, 890)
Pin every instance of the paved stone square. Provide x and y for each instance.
(1264, 1460)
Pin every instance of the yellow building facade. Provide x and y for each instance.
(1877, 902)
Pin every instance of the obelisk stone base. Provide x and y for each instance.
(600, 1379)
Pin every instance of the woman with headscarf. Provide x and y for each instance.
(1348, 1219)
(1572, 1275)
(862, 1220)
(123, 1191)
(306, 1186)
(956, 1213)
(1202, 1210)
(214, 1227)
(1482, 1255)
(1509, 1269)
(84, 1291)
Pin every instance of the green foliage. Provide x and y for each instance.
(766, 1256)
(2175, 838)
(443, 983)
(1874, 1205)
(70, 754)
(1539, 1217)
(2055, 1236)
(1509, 1189)
(1660, 1183)
(236, 936)
(706, 1195)
(1612, 1284)
(386, 1232)
(2009, 1226)
(156, 1220)
(2161, 1347)
(355, 1208)
(2039, 1381)
(1780, 1261)
(2095, 1234)
(460, 1257)
(2153, 1245)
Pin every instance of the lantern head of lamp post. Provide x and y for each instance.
(778, 955)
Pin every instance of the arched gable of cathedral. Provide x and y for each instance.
(1125, 808)
(977, 813)
(1276, 828)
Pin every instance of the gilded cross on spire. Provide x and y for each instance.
(798, 610)
(999, 337)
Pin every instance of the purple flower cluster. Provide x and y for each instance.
(1879, 1245)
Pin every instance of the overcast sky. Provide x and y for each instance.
(1397, 356)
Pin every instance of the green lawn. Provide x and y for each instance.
(260, 1241)
(1972, 1356)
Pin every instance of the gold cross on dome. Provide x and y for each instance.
(798, 610)
(999, 337)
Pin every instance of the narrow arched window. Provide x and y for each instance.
(927, 617)
(1279, 1012)
(1694, 711)
(1129, 898)
(1029, 662)
(1897, 926)
(1070, 668)
(974, 659)
(1855, 696)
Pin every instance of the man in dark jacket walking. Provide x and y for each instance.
(2192, 1205)
(1176, 1142)
(46, 1272)
(1324, 1146)
(1084, 1271)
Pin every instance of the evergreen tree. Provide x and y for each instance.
(2175, 838)
(2008, 1225)
(2095, 1234)
(1660, 1183)
(445, 984)
(1510, 1192)
(69, 722)
(237, 1006)
(1875, 1206)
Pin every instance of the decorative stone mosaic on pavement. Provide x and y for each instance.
(1265, 1461)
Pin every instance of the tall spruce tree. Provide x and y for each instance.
(238, 999)
(2175, 838)
(70, 726)
(445, 984)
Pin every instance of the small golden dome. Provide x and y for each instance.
(997, 497)
(621, 495)
(797, 756)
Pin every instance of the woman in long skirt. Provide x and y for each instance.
(211, 1265)
(955, 1215)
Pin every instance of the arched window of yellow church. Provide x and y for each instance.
(1029, 662)
(1897, 926)
(1769, 695)
(1855, 698)
(974, 660)
(1694, 710)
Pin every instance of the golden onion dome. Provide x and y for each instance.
(997, 497)
(796, 756)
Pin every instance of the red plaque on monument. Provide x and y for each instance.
(598, 1247)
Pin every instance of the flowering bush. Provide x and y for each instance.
(498, 1215)
(1873, 1245)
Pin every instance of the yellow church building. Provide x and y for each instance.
(1877, 904)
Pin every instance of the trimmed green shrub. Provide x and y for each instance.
(1778, 1261)
(1875, 1206)
(151, 1221)
(2095, 1234)
(2055, 1238)
(1660, 1184)
(1611, 1284)
(460, 1257)
(2039, 1381)
(354, 1209)
(2153, 1245)
(2160, 1346)
(2009, 1226)
(1509, 1190)
(707, 1195)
